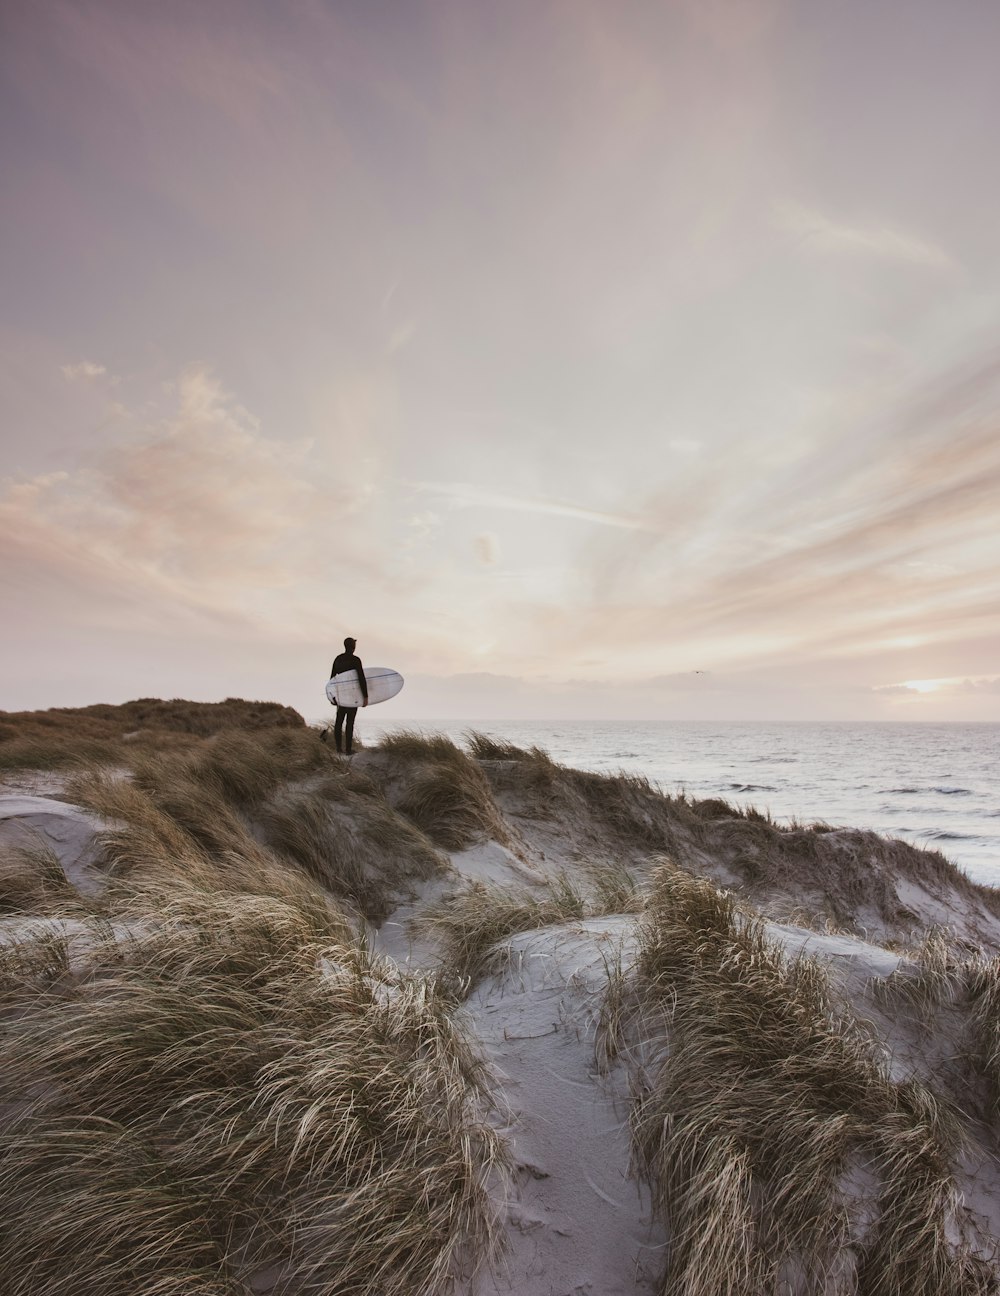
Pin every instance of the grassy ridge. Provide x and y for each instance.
(225, 1093)
(761, 1099)
(442, 790)
(209, 1085)
(207, 1082)
(259, 812)
(102, 733)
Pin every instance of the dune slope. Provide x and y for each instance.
(445, 1019)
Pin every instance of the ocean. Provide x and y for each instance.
(935, 785)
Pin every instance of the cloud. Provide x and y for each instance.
(488, 548)
(882, 242)
(198, 510)
(685, 445)
(951, 686)
(465, 495)
(872, 539)
(83, 369)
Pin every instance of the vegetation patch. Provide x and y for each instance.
(761, 1102)
(351, 842)
(442, 790)
(104, 734)
(471, 924)
(32, 881)
(275, 813)
(228, 1102)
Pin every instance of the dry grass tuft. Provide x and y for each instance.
(627, 806)
(351, 842)
(936, 977)
(206, 849)
(616, 889)
(932, 974)
(484, 747)
(760, 1097)
(454, 809)
(227, 1093)
(443, 792)
(410, 745)
(471, 924)
(982, 975)
(243, 769)
(32, 881)
(90, 1208)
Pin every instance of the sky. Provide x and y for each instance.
(581, 358)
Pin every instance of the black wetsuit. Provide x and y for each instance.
(346, 661)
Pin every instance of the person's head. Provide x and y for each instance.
(350, 644)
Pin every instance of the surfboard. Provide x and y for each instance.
(383, 684)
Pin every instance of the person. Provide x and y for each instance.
(345, 661)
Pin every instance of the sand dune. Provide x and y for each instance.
(445, 1020)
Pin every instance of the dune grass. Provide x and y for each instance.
(627, 806)
(470, 925)
(846, 870)
(485, 747)
(351, 842)
(32, 881)
(228, 1094)
(243, 769)
(937, 977)
(444, 792)
(208, 852)
(267, 814)
(758, 1100)
(615, 888)
(76, 737)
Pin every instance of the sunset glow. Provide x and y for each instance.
(579, 359)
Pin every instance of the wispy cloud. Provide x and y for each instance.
(949, 686)
(83, 369)
(198, 509)
(884, 242)
(464, 495)
(488, 548)
(896, 544)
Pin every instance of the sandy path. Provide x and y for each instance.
(577, 1224)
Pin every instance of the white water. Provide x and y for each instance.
(935, 785)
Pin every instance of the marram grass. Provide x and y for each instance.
(472, 925)
(760, 1101)
(226, 1092)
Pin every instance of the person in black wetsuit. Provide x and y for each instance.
(346, 661)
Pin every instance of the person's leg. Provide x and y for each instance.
(351, 713)
(338, 728)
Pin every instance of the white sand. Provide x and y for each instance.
(577, 1222)
(65, 829)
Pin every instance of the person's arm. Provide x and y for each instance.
(362, 681)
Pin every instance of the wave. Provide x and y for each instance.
(751, 787)
(912, 791)
(939, 834)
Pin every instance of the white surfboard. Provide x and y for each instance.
(383, 683)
